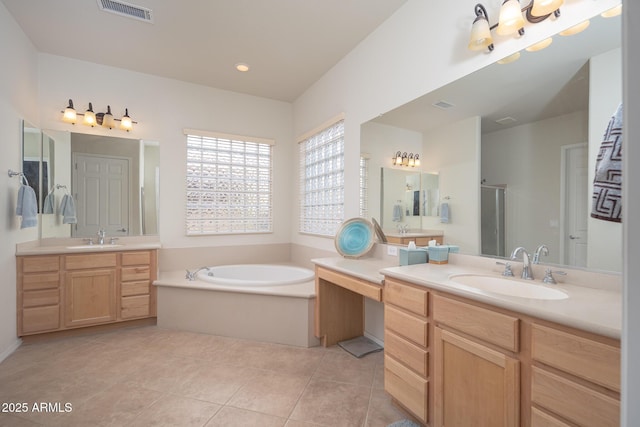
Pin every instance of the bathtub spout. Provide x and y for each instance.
(191, 275)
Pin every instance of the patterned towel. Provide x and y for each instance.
(607, 185)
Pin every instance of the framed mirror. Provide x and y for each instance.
(531, 113)
(113, 183)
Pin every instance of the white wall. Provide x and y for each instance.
(454, 152)
(163, 108)
(18, 100)
(533, 191)
(605, 94)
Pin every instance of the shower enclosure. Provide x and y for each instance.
(492, 208)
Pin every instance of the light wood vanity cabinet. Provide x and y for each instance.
(67, 291)
(38, 294)
(487, 366)
(406, 359)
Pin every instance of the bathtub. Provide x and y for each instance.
(262, 302)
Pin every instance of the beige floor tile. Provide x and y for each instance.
(344, 367)
(116, 406)
(234, 417)
(294, 423)
(163, 372)
(381, 411)
(378, 376)
(8, 420)
(214, 382)
(333, 403)
(171, 411)
(270, 393)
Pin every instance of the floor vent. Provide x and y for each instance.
(126, 9)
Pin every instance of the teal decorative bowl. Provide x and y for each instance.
(354, 238)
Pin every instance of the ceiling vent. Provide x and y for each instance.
(506, 120)
(443, 105)
(126, 9)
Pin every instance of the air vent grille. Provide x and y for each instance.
(126, 9)
(506, 120)
(443, 105)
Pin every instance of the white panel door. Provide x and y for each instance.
(101, 190)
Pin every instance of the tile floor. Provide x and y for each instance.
(155, 377)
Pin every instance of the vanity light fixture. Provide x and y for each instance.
(575, 29)
(91, 118)
(404, 159)
(511, 20)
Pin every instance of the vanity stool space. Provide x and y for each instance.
(64, 291)
(455, 361)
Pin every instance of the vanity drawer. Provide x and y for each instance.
(542, 419)
(136, 258)
(78, 262)
(492, 327)
(406, 297)
(135, 273)
(39, 298)
(406, 325)
(135, 288)
(136, 306)
(572, 401)
(406, 387)
(32, 282)
(411, 355)
(37, 264)
(582, 357)
(39, 319)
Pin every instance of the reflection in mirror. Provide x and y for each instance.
(542, 119)
(413, 194)
(114, 184)
(31, 160)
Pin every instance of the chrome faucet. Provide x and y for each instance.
(403, 228)
(191, 275)
(101, 235)
(542, 250)
(526, 262)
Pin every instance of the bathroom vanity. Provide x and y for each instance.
(61, 289)
(455, 355)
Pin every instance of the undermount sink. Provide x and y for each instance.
(96, 246)
(509, 287)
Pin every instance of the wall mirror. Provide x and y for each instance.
(113, 181)
(414, 195)
(553, 94)
(31, 146)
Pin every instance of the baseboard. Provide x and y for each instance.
(9, 350)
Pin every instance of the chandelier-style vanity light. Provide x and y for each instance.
(90, 118)
(511, 20)
(404, 159)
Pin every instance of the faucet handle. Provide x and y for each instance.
(548, 276)
(89, 241)
(507, 268)
(190, 275)
(112, 240)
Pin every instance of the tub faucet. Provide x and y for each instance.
(191, 275)
(526, 262)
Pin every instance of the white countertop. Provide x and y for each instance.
(65, 246)
(593, 308)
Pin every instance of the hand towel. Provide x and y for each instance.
(49, 203)
(607, 184)
(444, 213)
(68, 210)
(27, 206)
(397, 213)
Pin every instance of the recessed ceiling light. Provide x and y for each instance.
(242, 67)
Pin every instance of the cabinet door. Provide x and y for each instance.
(474, 384)
(90, 297)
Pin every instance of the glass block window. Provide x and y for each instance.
(229, 184)
(322, 180)
(364, 183)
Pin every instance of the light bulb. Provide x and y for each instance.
(89, 117)
(70, 115)
(125, 122)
